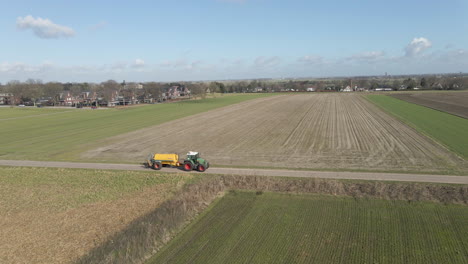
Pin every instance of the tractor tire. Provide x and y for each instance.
(188, 166)
(201, 168)
(157, 166)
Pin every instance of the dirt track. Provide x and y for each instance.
(319, 131)
(257, 172)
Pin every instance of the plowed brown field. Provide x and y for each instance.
(455, 103)
(317, 131)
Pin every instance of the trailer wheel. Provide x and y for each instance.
(201, 168)
(188, 166)
(157, 165)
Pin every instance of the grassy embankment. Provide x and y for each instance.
(243, 227)
(56, 215)
(45, 134)
(447, 129)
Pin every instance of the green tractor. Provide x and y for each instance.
(194, 162)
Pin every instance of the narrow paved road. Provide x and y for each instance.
(257, 172)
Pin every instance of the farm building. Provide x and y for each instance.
(311, 89)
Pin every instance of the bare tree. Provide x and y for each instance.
(450, 83)
(109, 89)
(396, 84)
(17, 90)
(153, 89)
(198, 89)
(52, 90)
(213, 86)
(33, 90)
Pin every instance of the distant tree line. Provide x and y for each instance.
(32, 90)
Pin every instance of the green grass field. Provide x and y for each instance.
(243, 227)
(447, 129)
(47, 134)
(16, 112)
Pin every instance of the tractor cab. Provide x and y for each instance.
(192, 155)
(194, 161)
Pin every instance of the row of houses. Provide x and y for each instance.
(124, 98)
(132, 94)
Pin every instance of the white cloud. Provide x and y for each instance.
(267, 61)
(417, 46)
(139, 63)
(19, 67)
(311, 59)
(44, 28)
(452, 56)
(368, 56)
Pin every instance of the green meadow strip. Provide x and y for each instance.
(449, 130)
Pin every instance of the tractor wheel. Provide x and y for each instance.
(157, 165)
(188, 166)
(201, 168)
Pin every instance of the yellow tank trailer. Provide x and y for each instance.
(192, 162)
(156, 161)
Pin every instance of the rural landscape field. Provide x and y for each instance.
(234, 131)
(82, 210)
(319, 131)
(245, 227)
(60, 134)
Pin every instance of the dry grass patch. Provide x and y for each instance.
(58, 215)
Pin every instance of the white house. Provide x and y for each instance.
(347, 89)
(258, 90)
(311, 89)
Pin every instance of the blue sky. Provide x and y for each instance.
(229, 39)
